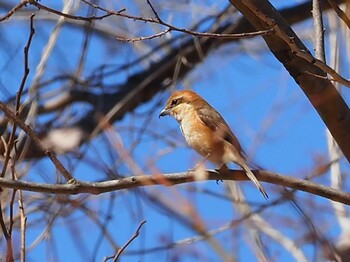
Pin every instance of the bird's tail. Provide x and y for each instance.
(252, 177)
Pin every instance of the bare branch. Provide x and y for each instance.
(297, 59)
(75, 17)
(11, 140)
(141, 38)
(37, 141)
(142, 86)
(159, 21)
(14, 10)
(23, 219)
(319, 31)
(120, 251)
(339, 12)
(175, 179)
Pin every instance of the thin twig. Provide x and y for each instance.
(211, 35)
(8, 232)
(12, 202)
(200, 34)
(212, 232)
(65, 15)
(13, 10)
(26, 128)
(308, 57)
(11, 140)
(2, 223)
(196, 222)
(120, 251)
(141, 38)
(158, 20)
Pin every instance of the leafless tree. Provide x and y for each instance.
(81, 86)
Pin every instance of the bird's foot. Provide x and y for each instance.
(220, 171)
(219, 180)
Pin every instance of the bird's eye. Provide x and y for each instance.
(174, 102)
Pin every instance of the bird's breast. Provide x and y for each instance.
(202, 139)
(191, 132)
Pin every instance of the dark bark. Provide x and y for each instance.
(289, 49)
(143, 86)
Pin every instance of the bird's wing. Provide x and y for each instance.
(215, 121)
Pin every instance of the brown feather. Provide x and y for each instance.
(216, 122)
(206, 131)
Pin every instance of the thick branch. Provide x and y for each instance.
(296, 58)
(175, 179)
(143, 86)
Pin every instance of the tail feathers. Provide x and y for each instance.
(252, 177)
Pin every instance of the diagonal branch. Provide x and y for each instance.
(120, 251)
(320, 91)
(26, 128)
(142, 86)
(340, 12)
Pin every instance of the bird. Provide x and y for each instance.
(206, 131)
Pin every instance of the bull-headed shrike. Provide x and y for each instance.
(206, 131)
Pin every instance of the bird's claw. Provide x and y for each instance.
(219, 180)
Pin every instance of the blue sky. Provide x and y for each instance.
(266, 109)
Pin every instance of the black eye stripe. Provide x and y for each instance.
(174, 102)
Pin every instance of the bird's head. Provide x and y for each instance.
(181, 103)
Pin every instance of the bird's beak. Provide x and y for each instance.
(164, 112)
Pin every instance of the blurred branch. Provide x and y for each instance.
(11, 140)
(142, 86)
(23, 222)
(280, 238)
(211, 232)
(8, 231)
(342, 15)
(240, 205)
(175, 179)
(26, 128)
(257, 224)
(337, 178)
